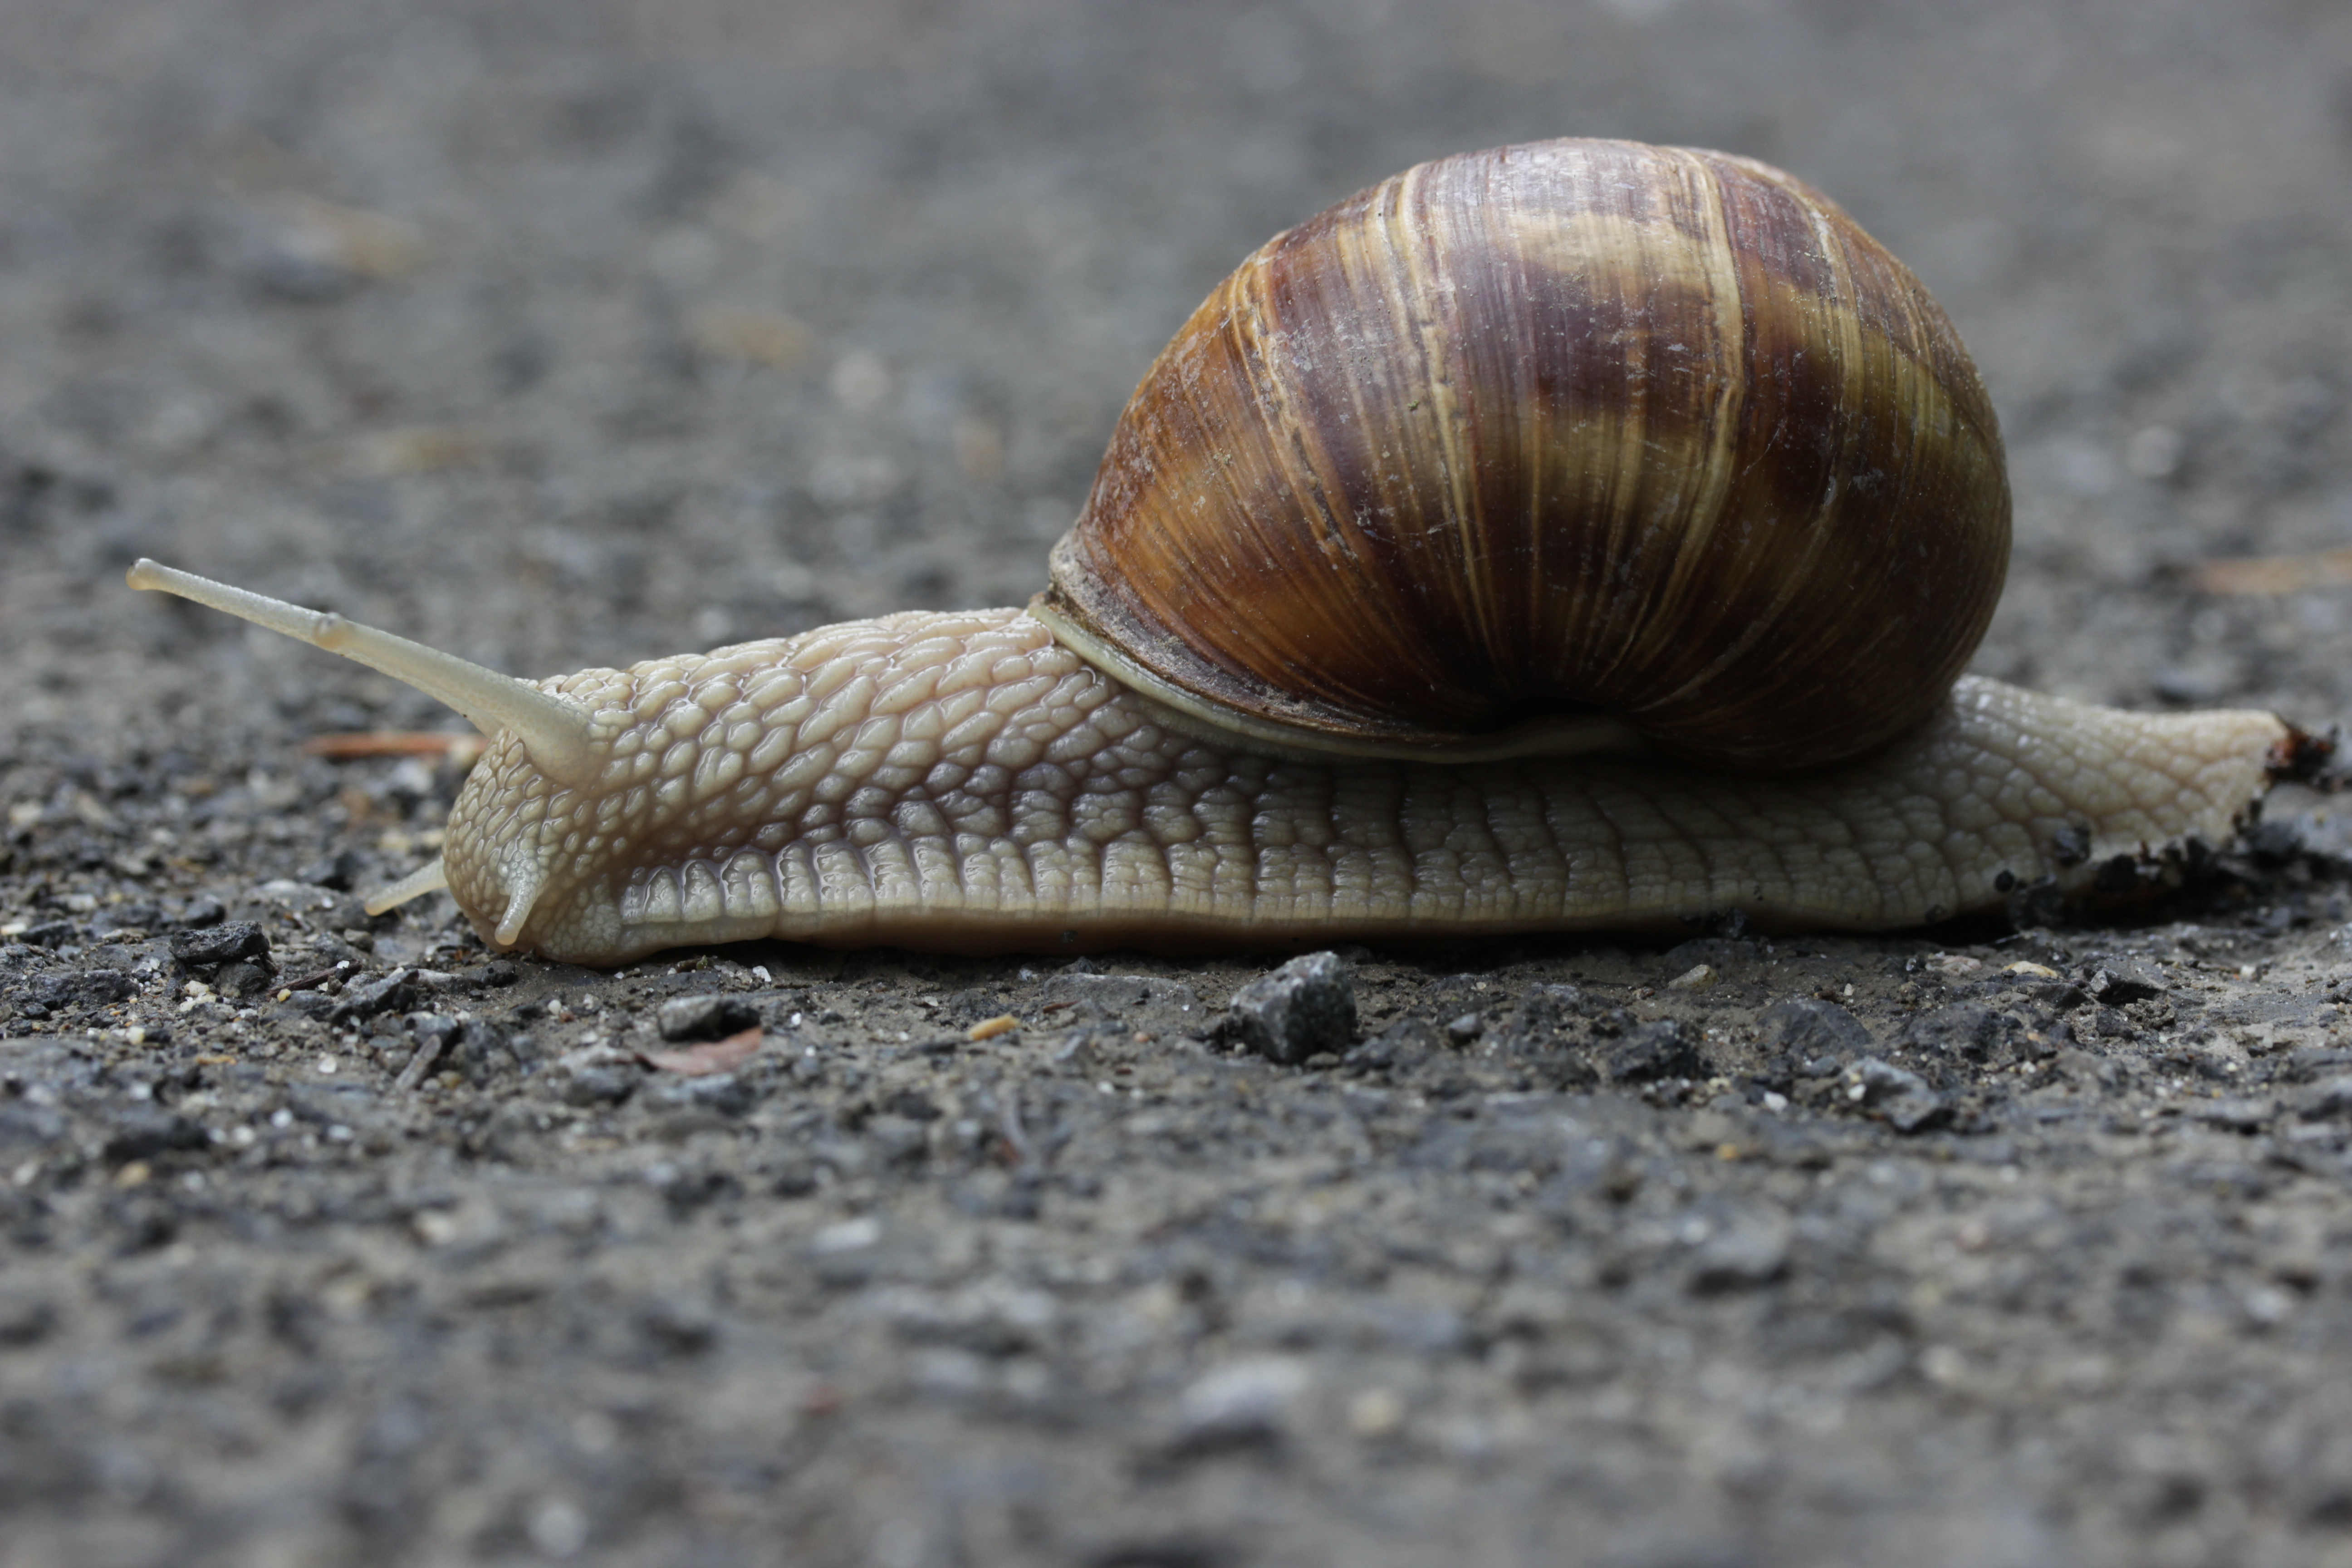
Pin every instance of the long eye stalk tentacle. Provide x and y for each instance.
(556, 733)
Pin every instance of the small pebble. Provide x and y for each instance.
(223, 943)
(1238, 1405)
(1902, 1097)
(709, 1018)
(1375, 1413)
(1305, 1008)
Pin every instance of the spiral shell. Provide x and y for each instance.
(1526, 446)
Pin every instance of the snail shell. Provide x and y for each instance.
(1522, 439)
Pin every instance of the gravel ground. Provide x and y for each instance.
(562, 332)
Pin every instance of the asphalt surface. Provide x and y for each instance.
(567, 334)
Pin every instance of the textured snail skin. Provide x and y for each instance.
(963, 782)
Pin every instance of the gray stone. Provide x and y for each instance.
(81, 988)
(597, 1075)
(1741, 1252)
(1902, 1099)
(723, 1093)
(706, 1017)
(2329, 1099)
(220, 944)
(393, 994)
(242, 979)
(1969, 1029)
(339, 872)
(1662, 1049)
(2117, 982)
(1305, 1007)
(1809, 1027)
(144, 1132)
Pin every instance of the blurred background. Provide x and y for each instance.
(566, 332)
(569, 331)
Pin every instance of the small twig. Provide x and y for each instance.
(2275, 574)
(462, 750)
(1008, 1122)
(427, 1054)
(335, 970)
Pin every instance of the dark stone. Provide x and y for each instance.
(241, 980)
(433, 1028)
(1307, 1006)
(2058, 996)
(676, 1328)
(2119, 981)
(24, 1320)
(913, 1104)
(202, 912)
(1543, 1034)
(133, 916)
(144, 1133)
(2329, 1098)
(1811, 1029)
(1662, 1049)
(690, 1190)
(723, 1093)
(709, 1018)
(1545, 1010)
(2036, 903)
(1404, 1045)
(48, 933)
(394, 993)
(2235, 1113)
(338, 871)
(501, 972)
(81, 988)
(313, 1004)
(1902, 1099)
(598, 1075)
(481, 1048)
(2274, 841)
(227, 943)
(2112, 1024)
(1969, 1029)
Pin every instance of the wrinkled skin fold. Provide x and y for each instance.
(963, 783)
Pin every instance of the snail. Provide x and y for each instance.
(1573, 535)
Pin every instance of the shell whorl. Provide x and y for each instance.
(1521, 437)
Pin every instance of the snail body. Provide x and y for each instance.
(1576, 536)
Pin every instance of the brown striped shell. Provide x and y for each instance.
(1522, 450)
